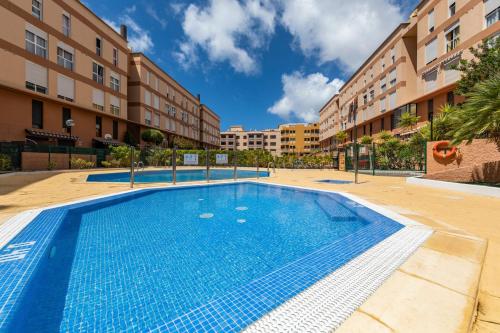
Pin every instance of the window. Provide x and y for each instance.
(36, 114)
(36, 9)
(430, 80)
(36, 44)
(98, 46)
(365, 98)
(148, 77)
(147, 117)
(64, 58)
(452, 7)
(450, 98)
(115, 57)
(114, 82)
(36, 77)
(114, 105)
(492, 17)
(430, 21)
(97, 73)
(98, 99)
(156, 102)
(66, 25)
(382, 124)
(115, 129)
(65, 88)
(393, 55)
(392, 77)
(431, 51)
(451, 74)
(372, 94)
(147, 97)
(98, 126)
(452, 37)
(382, 104)
(66, 114)
(157, 120)
(383, 85)
(392, 101)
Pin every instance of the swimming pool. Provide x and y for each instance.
(165, 176)
(191, 258)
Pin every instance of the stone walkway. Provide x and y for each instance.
(451, 284)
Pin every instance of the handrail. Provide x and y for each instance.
(274, 167)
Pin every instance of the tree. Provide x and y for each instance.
(484, 65)
(366, 140)
(407, 120)
(183, 143)
(385, 136)
(442, 125)
(480, 114)
(341, 136)
(153, 136)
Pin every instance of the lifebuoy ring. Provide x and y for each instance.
(442, 150)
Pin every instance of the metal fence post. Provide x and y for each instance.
(235, 165)
(258, 167)
(425, 157)
(174, 165)
(207, 162)
(373, 158)
(132, 167)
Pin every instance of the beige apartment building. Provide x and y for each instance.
(299, 139)
(412, 70)
(237, 137)
(156, 100)
(59, 61)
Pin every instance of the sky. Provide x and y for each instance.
(257, 63)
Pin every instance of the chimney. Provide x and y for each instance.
(123, 31)
(198, 97)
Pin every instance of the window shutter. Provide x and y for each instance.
(382, 104)
(430, 21)
(431, 51)
(36, 74)
(36, 31)
(430, 80)
(98, 97)
(115, 101)
(451, 27)
(147, 98)
(491, 5)
(392, 74)
(156, 102)
(115, 76)
(66, 47)
(392, 101)
(65, 86)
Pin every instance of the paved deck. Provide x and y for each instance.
(449, 285)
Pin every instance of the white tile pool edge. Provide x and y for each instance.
(326, 304)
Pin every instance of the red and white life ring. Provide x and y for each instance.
(443, 150)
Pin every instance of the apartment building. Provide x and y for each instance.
(210, 128)
(61, 62)
(156, 100)
(412, 70)
(299, 139)
(237, 137)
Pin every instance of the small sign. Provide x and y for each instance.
(190, 159)
(221, 159)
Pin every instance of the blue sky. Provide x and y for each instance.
(257, 63)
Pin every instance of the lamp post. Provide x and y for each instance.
(69, 125)
(354, 109)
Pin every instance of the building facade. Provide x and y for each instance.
(157, 101)
(299, 139)
(237, 138)
(59, 61)
(411, 71)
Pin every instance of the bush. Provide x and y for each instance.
(51, 165)
(366, 140)
(106, 164)
(5, 162)
(153, 136)
(79, 163)
(121, 155)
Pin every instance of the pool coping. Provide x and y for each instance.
(16, 224)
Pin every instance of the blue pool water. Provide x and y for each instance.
(183, 259)
(165, 176)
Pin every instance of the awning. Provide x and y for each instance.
(108, 142)
(36, 133)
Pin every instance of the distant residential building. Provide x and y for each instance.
(237, 138)
(299, 139)
(412, 70)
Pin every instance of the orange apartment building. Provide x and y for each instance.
(412, 70)
(156, 100)
(299, 139)
(59, 61)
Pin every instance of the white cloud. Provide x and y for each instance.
(303, 96)
(139, 39)
(347, 31)
(154, 15)
(177, 7)
(227, 30)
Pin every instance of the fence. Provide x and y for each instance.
(390, 158)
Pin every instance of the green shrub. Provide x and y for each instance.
(106, 164)
(5, 162)
(153, 136)
(366, 140)
(121, 154)
(51, 165)
(79, 163)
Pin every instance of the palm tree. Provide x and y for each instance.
(407, 120)
(341, 136)
(480, 114)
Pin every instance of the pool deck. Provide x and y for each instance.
(450, 284)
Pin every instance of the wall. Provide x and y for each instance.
(478, 162)
(40, 161)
